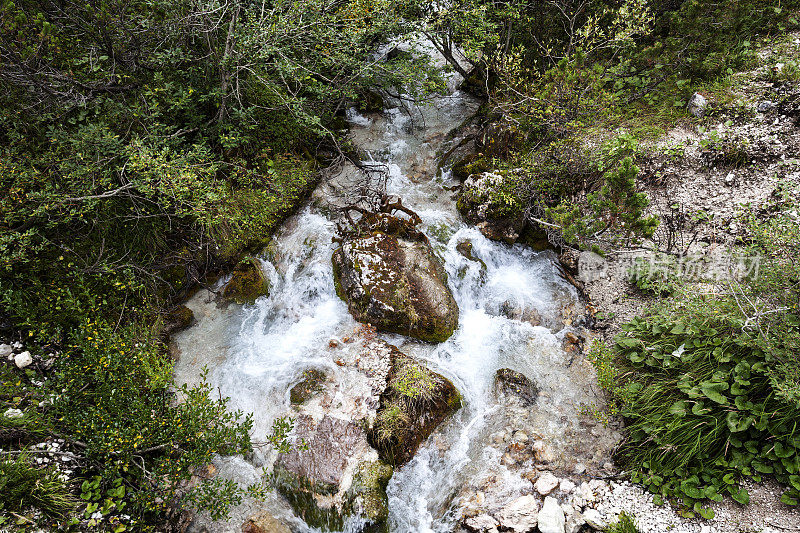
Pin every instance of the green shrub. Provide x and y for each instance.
(112, 391)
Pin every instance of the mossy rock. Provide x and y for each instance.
(391, 278)
(494, 203)
(308, 387)
(178, 319)
(413, 405)
(371, 102)
(302, 495)
(367, 496)
(336, 477)
(471, 164)
(247, 283)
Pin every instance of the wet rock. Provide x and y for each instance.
(491, 201)
(572, 342)
(514, 384)
(264, 523)
(309, 386)
(594, 519)
(367, 495)
(697, 105)
(469, 165)
(519, 516)
(178, 319)
(247, 282)
(551, 517)
(390, 278)
(24, 359)
(482, 523)
(546, 483)
(413, 405)
(544, 452)
(569, 260)
(338, 475)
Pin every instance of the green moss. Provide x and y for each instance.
(181, 316)
(415, 402)
(247, 283)
(471, 164)
(415, 382)
(368, 492)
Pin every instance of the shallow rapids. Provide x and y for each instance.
(256, 353)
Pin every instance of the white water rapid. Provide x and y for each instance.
(256, 353)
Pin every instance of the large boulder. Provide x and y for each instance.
(389, 277)
(413, 405)
(338, 473)
(495, 204)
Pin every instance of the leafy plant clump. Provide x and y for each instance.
(625, 524)
(708, 384)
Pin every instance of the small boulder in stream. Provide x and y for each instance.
(413, 405)
(386, 271)
(512, 384)
(247, 282)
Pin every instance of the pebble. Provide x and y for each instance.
(520, 515)
(594, 519)
(551, 517)
(24, 359)
(546, 483)
(482, 522)
(13, 413)
(566, 486)
(764, 106)
(697, 105)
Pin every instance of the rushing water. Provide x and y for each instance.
(256, 353)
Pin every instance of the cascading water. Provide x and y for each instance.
(255, 353)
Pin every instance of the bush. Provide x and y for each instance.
(625, 524)
(112, 392)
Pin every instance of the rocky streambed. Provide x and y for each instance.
(467, 389)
